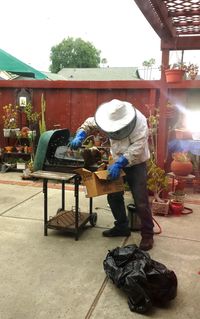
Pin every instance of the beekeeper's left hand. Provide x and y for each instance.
(114, 169)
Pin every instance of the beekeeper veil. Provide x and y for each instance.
(116, 118)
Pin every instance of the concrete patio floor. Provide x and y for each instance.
(56, 277)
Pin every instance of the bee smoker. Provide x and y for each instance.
(134, 219)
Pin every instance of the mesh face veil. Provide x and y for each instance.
(117, 119)
(124, 132)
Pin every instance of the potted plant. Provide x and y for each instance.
(175, 72)
(192, 70)
(181, 164)
(177, 198)
(157, 182)
(32, 117)
(10, 119)
(178, 195)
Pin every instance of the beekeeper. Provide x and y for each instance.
(127, 130)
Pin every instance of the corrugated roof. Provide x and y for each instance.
(4, 75)
(11, 64)
(100, 74)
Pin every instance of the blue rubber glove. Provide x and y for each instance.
(78, 139)
(114, 169)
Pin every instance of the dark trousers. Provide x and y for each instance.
(136, 177)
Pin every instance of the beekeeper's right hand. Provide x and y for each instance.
(78, 139)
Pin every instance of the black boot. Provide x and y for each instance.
(115, 232)
(146, 242)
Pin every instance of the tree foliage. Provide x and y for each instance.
(74, 53)
(149, 63)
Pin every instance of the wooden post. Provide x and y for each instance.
(162, 129)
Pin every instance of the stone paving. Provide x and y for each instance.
(57, 277)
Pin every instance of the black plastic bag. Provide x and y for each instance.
(146, 282)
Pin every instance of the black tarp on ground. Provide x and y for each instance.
(146, 282)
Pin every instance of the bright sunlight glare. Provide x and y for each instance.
(191, 118)
(192, 121)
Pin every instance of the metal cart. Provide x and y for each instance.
(69, 221)
(49, 166)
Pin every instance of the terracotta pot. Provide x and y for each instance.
(181, 168)
(8, 149)
(174, 75)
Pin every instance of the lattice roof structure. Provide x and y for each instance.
(184, 15)
(172, 18)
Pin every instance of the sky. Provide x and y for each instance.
(115, 27)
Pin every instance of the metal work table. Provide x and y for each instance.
(70, 221)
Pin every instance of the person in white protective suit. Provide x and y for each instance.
(127, 130)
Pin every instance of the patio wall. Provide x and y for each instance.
(69, 103)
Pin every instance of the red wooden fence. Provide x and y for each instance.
(69, 103)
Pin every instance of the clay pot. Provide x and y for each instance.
(8, 149)
(181, 168)
(174, 75)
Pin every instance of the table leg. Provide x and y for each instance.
(76, 193)
(45, 182)
(90, 205)
(63, 195)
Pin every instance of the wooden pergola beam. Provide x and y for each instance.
(181, 43)
(164, 16)
(155, 13)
